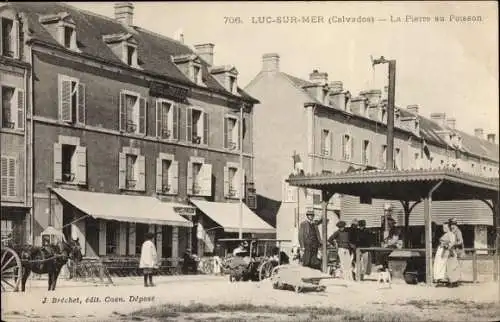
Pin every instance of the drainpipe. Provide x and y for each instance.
(32, 138)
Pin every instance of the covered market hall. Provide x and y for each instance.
(410, 187)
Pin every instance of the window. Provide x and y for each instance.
(8, 176)
(68, 36)
(326, 143)
(130, 55)
(197, 126)
(197, 74)
(416, 158)
(383, 156)
(347, 147)
(231, 133)
(6, 230)
(232, 180)
(9, 38)
(131, 170)
(167, 173)
(232, 84)
(12, 107)
(366, 153)
(199, 178)
(132, 113)
(112, 237)
(167, 120)
(398, 159)
(289, 192)
(70, 161)
(71, 100)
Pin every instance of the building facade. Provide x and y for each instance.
(14, 75)
(130, 130)
(332, 130)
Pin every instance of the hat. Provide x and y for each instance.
(149, 235)
(310, 213)
(362, 223)
(354, 221)
(452, 221)
(341, 224)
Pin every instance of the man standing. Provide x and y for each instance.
(353, 243)
(365, 240)
(309, 240)
(340, 239)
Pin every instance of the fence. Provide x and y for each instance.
(476, 262)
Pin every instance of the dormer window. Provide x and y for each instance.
(10, 38)
(69, 34)
(62, 27)
(130, 55)
(232, 84)
(125, 47)
(227, 77)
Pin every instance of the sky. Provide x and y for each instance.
(448, 66)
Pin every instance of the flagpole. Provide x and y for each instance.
(242, 178)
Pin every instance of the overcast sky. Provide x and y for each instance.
(449, 67)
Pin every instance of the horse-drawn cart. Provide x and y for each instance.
(11, 268)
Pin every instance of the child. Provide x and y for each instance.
(149, 259)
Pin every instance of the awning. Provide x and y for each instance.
(138, 209)
(227, 216)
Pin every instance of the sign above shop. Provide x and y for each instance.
(167, 90)
(186, 211)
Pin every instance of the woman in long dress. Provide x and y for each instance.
(443, 253)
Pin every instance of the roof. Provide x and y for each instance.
(154, 50)
(226, 215)
(402, 185)
(126, 208)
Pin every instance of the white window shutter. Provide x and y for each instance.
(158, 118)
(239, 188)
(81, 165)
(352, 148)
(206, 131)
(141, 173)
(13, 108)
(236, 134)
(142, 115)
(65, 100)
(176, 121)
(57, 162)
(226, 181)
(174, 177)
(81, 103)
(102, 237)
(189, 125)
(131, 238)
(206, 180)
(226, 133)
(122, 174)
(342, 147)
(20, 109)
(190, 178)
(159, 175)
(4, 176)
(122, 241)
(15, 38)
(123, 112)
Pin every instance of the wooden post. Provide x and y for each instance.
(358, 264)
(474, 266)
(428, 241)
(324, 203)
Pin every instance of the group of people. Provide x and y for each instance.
(451, 248)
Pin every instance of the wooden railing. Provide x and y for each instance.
(470, 254)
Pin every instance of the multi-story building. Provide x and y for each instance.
(329, 129)
(132, 132)
(14, 86)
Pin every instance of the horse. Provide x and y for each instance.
(48, 260)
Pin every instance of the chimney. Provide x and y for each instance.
(271, 62)
(373, 96)
(318, 78)
(451, 122)
(336, 86)
(439, 118)
(478, 133)
(413, 108)
(491, 137)
(124, 13)
(206, 52)
(179, 35)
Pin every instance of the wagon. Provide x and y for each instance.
(298, 278)
(11, 268)
(259, 263)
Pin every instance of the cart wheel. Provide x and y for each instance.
(298, 289)
(265, 270)
(11, 270)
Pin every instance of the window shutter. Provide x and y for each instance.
(141, 175)
(381, 157)
(122, 175)
(102, 237)
(1, 38)
(206, 180)
(238, 137)
(142, 115)
(4, 176)
(331, 143)
(175, 122)
(122, 241)
(342, 152)
(57, 162)
(159, 175)
(240, 189)
(131, 238)
(189, 125)
(158, 118)
(226, 133)
(226, 181)
(205, 128)
(190, 178)
(20, 109)
(15, 38)
(352, 148)
(81, 103)
(81, 164)
(370, 160)
(123, 112)
(174, 177)
(12, 177)
(65, 100)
